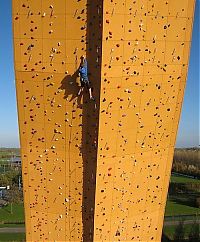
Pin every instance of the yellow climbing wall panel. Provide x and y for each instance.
(58, 167)
(145, 52)
(99, 171)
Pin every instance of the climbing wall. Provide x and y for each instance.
(99, 171)
(58, 131)
(145, 52)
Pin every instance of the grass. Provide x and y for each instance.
(185, 205)
(174, 208)
(181, 179)
(11, 225)
(18, 213)
(12, 237)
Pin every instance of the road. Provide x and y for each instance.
(169, 223)
(13, 230)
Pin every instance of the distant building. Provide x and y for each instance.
(15, 161)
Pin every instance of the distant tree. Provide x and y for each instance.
(4, 180)
(194, 233)
(187, 161)
(10, 177)
(198, 202)
(179, 232)
(14, 195)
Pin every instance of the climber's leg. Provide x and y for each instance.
(80, 91)
(82, 86)
(88, 85)
(90, 93)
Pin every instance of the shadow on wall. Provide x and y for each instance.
(70, 86)
(90, 114)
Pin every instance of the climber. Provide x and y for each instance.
(84, 78)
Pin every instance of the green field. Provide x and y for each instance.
(17, 216)
(18, 213)
(12, 237)
(11, 225)
(181, 204)
(174, 208)
(180, 179)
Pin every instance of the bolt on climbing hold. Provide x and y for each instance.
(76, 11)
(30, 47)
(54, 50)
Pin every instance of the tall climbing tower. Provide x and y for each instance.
(99, 171)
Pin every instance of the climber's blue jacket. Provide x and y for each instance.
(83, 71)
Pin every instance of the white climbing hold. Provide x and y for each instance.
(54, 50)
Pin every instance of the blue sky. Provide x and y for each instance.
(188, 134)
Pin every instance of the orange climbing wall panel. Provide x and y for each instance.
(99, 171)
(49, 39)
(145, 50)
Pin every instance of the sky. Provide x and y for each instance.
(188, 133)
